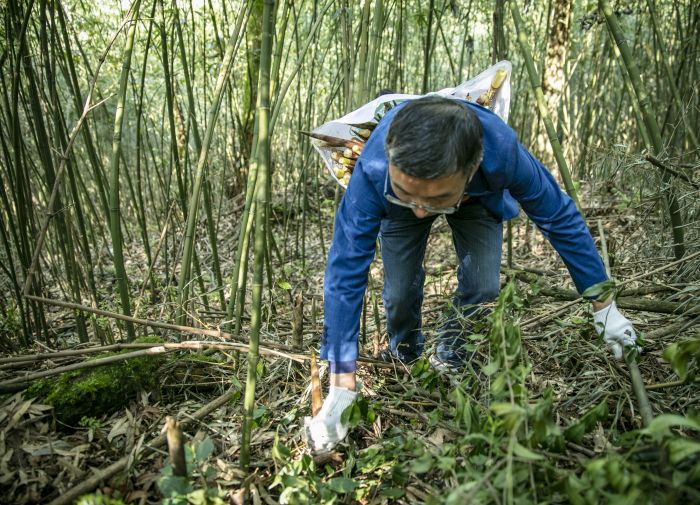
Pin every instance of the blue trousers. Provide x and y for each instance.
(477, 236)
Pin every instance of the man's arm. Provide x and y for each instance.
(557, 217)
(352, 251)
(560, 221)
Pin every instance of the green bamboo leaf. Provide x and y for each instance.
(204, 449)
(589, 420)
(352, 415)
(661, 424)
(503, 409)
(423, 464)
(523, 452)
(342, 484)
(280, 452)
(601, 291)
(680, 449)
(392, 492)
(490, 369)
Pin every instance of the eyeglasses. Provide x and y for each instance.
(412, 205)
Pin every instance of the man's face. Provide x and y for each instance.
(440, 193)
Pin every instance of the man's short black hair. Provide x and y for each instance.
(434, 137)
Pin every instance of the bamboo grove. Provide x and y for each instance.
(152, 163)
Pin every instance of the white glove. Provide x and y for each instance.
(616, 329)
(324, 431)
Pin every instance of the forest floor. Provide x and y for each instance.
(418, 436)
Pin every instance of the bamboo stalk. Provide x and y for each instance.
(114, 201)
(298, 321)
(535, 83)
(361, 90)
(649, 120)
(139, 143)
(262, 198)
(427, 48)
(675, 94)
(88, 107)
(193, 206)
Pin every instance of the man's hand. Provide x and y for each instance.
(616, 329)
(325, 430)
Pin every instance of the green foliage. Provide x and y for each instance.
(357, 412)
(601, 291)
(98, 499)
(178, 490)
(498, 445)
(91, 393)
(684, 357)
(425, 374)
(590, 419)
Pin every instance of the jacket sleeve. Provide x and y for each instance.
(556, 215)
(351, 253)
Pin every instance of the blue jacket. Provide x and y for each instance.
(508, 173)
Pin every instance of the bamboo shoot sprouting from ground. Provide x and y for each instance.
(649, 121)
(262, 159)
(114, 204)
(535, 82)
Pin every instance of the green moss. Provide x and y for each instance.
(99, 391)
(98, 499)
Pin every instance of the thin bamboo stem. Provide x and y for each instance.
(535, 83)
(649, 121)
(114, 202)
(262, 196)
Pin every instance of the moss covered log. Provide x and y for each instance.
(99, 391)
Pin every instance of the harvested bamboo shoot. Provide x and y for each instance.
(486, 99)
(316, 397)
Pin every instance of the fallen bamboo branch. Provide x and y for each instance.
(566, 306)
(672, 384)
(27, 358)
(91, 483)
(86, 364)
(628, 302)
(659, 164)
(268, 348)
(20, 383)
